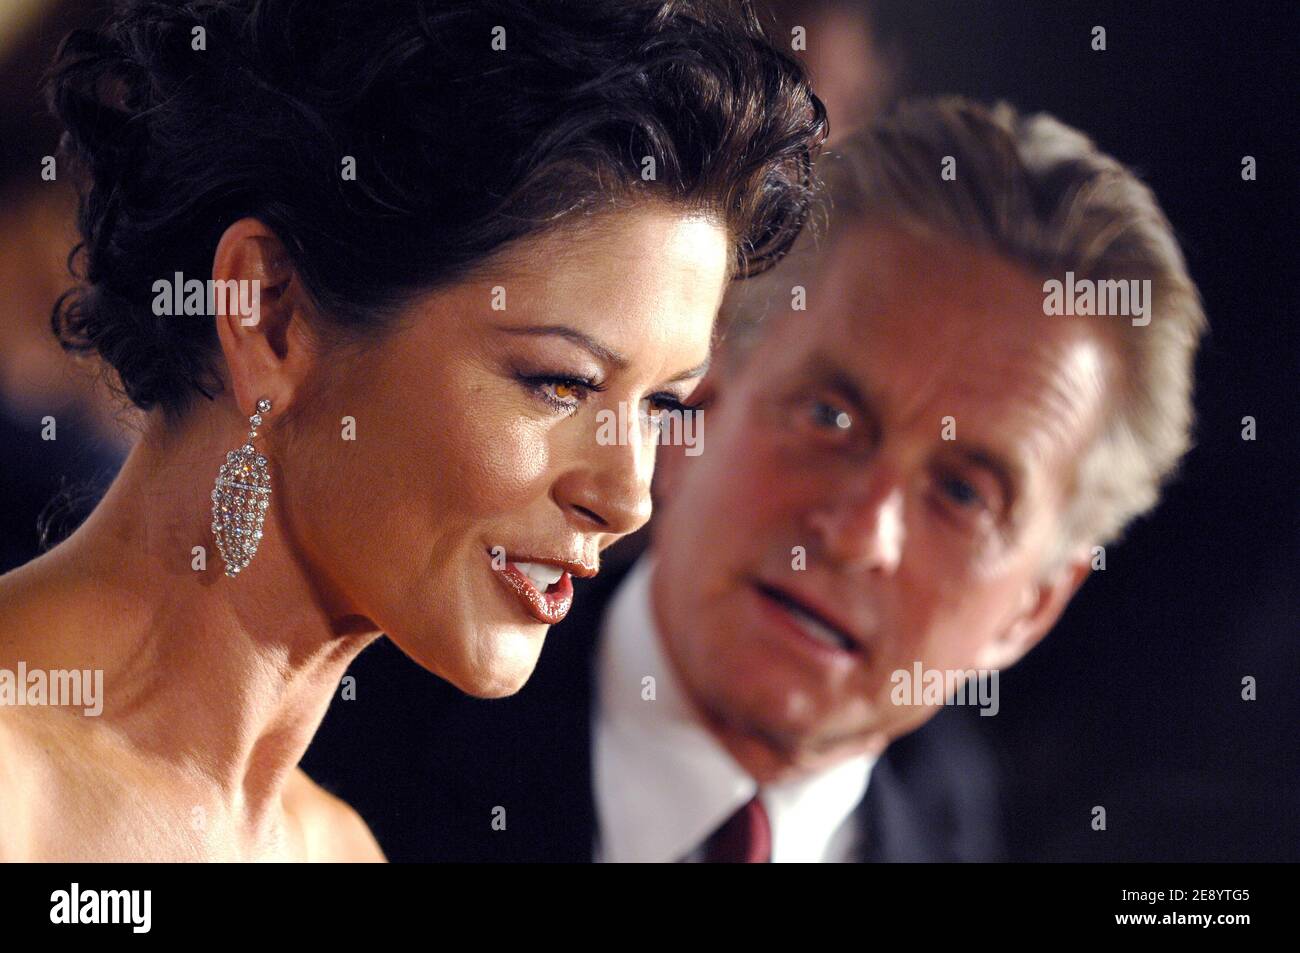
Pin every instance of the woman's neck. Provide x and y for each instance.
(223, 680)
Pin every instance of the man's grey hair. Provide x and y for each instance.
(1041, 194)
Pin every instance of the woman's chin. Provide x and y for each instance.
(491, 664)
(505, 675)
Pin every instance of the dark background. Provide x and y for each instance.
(1134, 702)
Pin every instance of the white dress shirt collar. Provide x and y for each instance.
(663, 782)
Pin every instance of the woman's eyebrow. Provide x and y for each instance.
(600, 351)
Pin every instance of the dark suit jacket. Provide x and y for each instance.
(442, 765)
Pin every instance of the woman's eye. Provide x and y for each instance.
(666, 403)
(560, 392)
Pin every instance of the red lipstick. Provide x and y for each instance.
(549, 607)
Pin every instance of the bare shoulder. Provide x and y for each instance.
(332, 830)
(50, 784)
(14, 789)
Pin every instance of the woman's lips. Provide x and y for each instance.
(549, 607)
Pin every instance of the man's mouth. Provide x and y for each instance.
(811, 622)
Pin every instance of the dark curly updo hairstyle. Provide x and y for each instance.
(187, 115)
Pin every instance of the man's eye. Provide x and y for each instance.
(961, 492)
(830, 416)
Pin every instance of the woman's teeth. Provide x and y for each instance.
(541, 575)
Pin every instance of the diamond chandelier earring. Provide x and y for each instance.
(240, 498)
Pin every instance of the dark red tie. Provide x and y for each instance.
(745, 838)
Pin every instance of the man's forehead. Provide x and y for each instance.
(890, 271)
(888, 291)
(919, 325)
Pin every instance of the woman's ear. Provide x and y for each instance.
(260, 316)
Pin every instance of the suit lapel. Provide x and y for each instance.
(894, 831)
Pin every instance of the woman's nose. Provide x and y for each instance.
(609, 491)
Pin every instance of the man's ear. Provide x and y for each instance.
(264, 337)
(1041, 606)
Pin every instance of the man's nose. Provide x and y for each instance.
(609, 491)
(862, 527)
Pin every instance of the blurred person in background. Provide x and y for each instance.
(852, 69)
(63, 437)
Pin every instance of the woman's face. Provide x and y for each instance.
(419, 473)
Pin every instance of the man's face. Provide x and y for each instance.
(895, 462)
